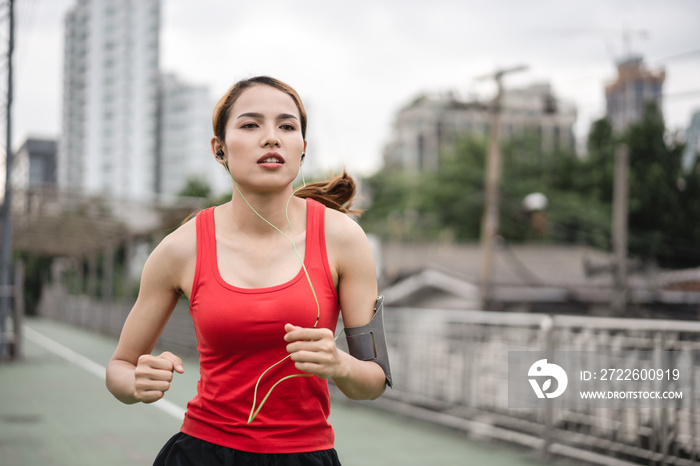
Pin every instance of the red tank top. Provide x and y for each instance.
(240, 334)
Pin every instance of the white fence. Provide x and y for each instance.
(109, 317)
(452, 367)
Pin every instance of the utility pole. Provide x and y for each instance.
(5, 213)
(618, 298)
(620, 202)
(492, 179)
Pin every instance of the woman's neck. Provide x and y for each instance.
(249, 209)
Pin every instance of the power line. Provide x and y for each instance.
(677, 56)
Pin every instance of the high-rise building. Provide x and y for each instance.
(110, 98)
(432, 123)
(628, 94)
(185, 134)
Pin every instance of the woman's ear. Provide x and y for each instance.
(217, 149)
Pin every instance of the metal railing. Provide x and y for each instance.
(452, 367)
(108, 317)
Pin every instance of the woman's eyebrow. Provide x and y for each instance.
(286, 116)
(281, 116)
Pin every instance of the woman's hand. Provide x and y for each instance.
(153, 374)
(313, 350)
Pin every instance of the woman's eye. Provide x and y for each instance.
(288, 127)
(249, 125)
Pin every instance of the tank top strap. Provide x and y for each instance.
(206, 235)
(316, 253)
(206, 247)
(315, 214)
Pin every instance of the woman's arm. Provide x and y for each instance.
(133, 374)
(314, 350)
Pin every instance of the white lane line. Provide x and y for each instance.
(91, 366)
(64, 352)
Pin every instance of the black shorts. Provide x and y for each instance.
(185, 450)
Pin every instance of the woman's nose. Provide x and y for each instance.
(270, 139)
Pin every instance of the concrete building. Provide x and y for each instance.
(185, 131)
(432, 123)
(635, 86)
(548, 278)
(110, 98)
(35, 164)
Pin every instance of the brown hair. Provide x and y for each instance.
(336, 193)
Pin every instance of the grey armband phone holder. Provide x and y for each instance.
(368, 342)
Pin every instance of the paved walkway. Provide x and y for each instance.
(55, 410)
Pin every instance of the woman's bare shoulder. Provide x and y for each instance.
(177, 248)
(341, 228)
(347, 243)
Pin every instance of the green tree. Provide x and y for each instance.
(580, 210)
(453, 196)
(395, 201)
(597, 171)
(664, 205)
(663, 202)
(448, 202)
(195, 186)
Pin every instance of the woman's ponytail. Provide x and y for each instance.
(337, 193)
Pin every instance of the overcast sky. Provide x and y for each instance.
(356, 63)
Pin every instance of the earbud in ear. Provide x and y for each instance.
(219, 154)
(303, 154)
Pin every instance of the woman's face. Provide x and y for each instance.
(263, 143)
